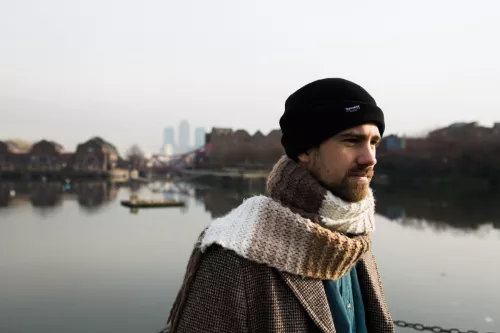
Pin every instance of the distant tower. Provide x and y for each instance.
(168, 146)
(184, 137)
(168, 135)
(199, 137)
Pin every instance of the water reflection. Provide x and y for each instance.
(438, 209)
(44, 194)
(219, 202)
(93, 195)
(50, 195)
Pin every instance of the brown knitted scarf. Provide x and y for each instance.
(294, 230)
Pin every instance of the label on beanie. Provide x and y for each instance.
(353, 108)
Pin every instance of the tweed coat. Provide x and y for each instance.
(232, 294)
(223, 291)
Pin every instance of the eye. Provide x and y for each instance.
(352, 141)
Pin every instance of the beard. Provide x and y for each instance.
(351, 189)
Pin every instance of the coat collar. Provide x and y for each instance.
(378, 318)
(312, 296)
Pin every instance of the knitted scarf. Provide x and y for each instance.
(300, 228)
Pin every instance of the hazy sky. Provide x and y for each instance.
(125, 69)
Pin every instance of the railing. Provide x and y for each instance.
(402, 323)
(436, 329)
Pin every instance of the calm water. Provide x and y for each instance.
(73, 260)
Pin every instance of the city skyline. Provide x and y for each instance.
(169, 132)
(185, 140)
(196, 138)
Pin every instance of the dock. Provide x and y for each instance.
(134, 202)
(229, 173)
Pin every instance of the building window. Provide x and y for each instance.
(90, 162)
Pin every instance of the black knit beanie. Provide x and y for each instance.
(323, 108)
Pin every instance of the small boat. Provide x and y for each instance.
(152, 203)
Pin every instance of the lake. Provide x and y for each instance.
(73, 260)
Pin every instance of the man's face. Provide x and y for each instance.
(344, 163)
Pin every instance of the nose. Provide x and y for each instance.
(367, 155)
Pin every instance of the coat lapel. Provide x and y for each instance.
(378, 318)
(312, 296)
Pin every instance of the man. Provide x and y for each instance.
(299, 259)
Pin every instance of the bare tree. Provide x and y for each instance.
(135, 156)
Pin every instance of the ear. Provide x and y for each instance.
(304, 157)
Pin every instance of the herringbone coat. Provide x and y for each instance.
(232, 294)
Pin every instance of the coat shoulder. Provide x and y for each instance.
(217, 255)
(216, 300)
(270, 303)
(229, 265)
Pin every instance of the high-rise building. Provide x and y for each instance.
(168, 145)
(199, 137)
(184, 137)
(169, 136)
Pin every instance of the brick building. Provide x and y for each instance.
(239, 148)
(45, 157)
(463, 132)
(11, 158)
(90, 157)
(5, 158)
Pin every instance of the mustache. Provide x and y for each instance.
(361, 172)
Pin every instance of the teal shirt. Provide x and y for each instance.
(346, 303)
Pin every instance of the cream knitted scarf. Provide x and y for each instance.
(301, 228)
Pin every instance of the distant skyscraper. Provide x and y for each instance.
(184, 137)
(199, 137)
(168, 146)
(169, 136)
